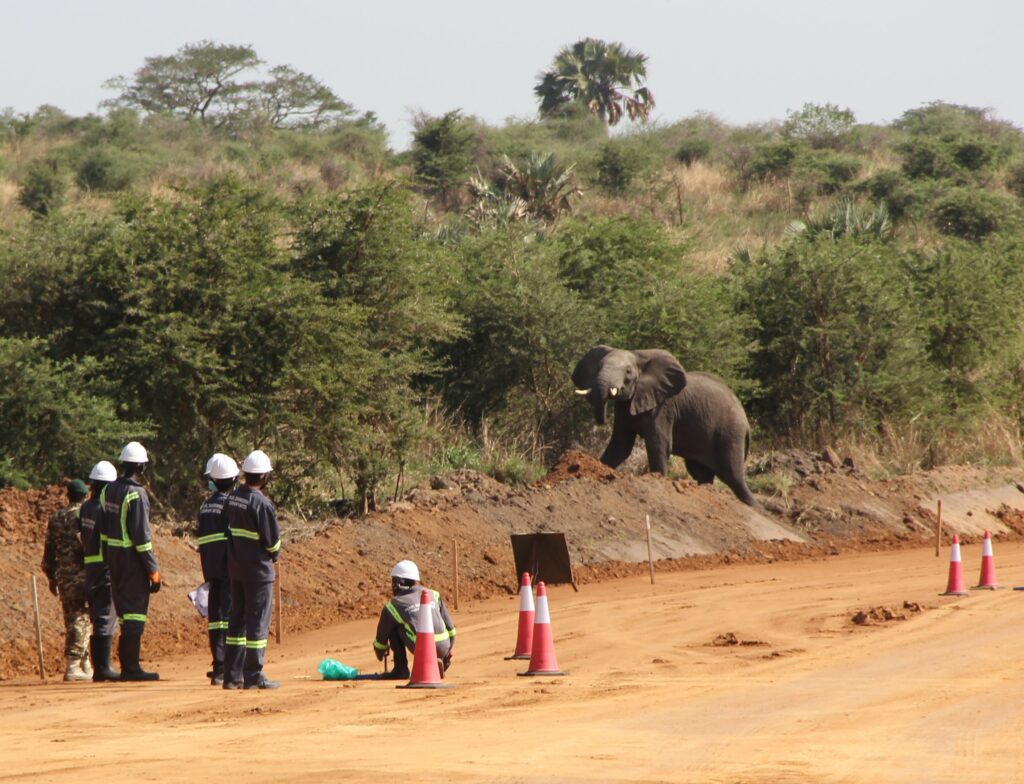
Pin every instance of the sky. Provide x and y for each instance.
(741, 60)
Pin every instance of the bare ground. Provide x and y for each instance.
(340, 573)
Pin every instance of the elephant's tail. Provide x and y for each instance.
(746, 446)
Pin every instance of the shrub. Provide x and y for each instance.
(43, 189)
(774, 159)
(693, 149)
(892, 188)
(617, 165)
(1015, 179)
(969, 213)
(819, 126)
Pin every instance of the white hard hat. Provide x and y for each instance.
(406, 570)
(257, 462)
(134, 452)
(220, 466)
(103, 471)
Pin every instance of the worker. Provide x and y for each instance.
(254, 544)
(221, 474)
(127, 548)
(64, 566)
(396, 628)
(97, 575)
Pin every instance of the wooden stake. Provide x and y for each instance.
(277, 601)
(650, 557)
(39, 629)
(938, 527)
(455, 569)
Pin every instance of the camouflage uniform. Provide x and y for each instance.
(64, 566)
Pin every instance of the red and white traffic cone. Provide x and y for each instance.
(542, 654)
(955, 585)
(524, 640)
(425, 672)
(988, 565)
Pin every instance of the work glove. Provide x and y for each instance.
(53, 587)
(379, 653)
(154, 582)
(447, 660)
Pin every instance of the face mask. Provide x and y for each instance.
(212, 486)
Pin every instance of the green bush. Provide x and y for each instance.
(617, 165)
(894, 189)
(969, 213)
(693, 149)
(774, 159)
(43, 188)
(1015, 179)
(835, 347)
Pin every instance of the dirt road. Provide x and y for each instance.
(937, 697)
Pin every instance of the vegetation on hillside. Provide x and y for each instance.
(231, 258)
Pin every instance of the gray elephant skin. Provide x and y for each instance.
(693, 415)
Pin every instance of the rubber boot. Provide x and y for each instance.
(73, 672)
(101, 646)
(128, 651)
(217, 674)
(86, 664)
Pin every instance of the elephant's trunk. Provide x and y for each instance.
(598, 398)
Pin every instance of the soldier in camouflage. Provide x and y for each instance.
(64, 566)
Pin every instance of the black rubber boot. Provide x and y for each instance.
(102, 670)
(128, 651)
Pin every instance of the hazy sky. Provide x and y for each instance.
(741, 60)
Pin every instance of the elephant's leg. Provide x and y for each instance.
(657, 455)
(701, 474)
(621, 444)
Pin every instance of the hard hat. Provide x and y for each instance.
(406, 570)
(103, 471)
(257, 462)
(134, 452)
(220, 466)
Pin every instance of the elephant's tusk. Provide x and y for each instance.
(613, 391)
(582, 392)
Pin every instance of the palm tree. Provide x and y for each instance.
(605, 77)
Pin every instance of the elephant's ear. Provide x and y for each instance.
(587, 368)
(661, 377)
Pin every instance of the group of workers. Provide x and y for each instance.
(99, 560)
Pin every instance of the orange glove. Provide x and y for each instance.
(154, 582)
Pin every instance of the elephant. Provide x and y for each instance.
(694, 415)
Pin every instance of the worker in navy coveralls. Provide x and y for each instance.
(254, 543)
(212, 537)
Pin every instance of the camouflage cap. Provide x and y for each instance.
(78, 487)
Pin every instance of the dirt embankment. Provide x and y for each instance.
(341, 572)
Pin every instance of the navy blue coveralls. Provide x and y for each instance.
(97, 575)
(213, 555)
(254, 543)
(127, 548)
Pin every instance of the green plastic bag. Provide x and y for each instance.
(334, 670)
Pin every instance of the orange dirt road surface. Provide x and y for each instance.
(802, 694)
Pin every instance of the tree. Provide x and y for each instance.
(606, 78)
(290, 98)
(192, 82)
(819, 126)
(441, 154)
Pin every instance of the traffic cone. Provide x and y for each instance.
(542, 653)
(524, 640)
(425, 672)
(988, 565)
(955, 586)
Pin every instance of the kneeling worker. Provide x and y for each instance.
(396, 628)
